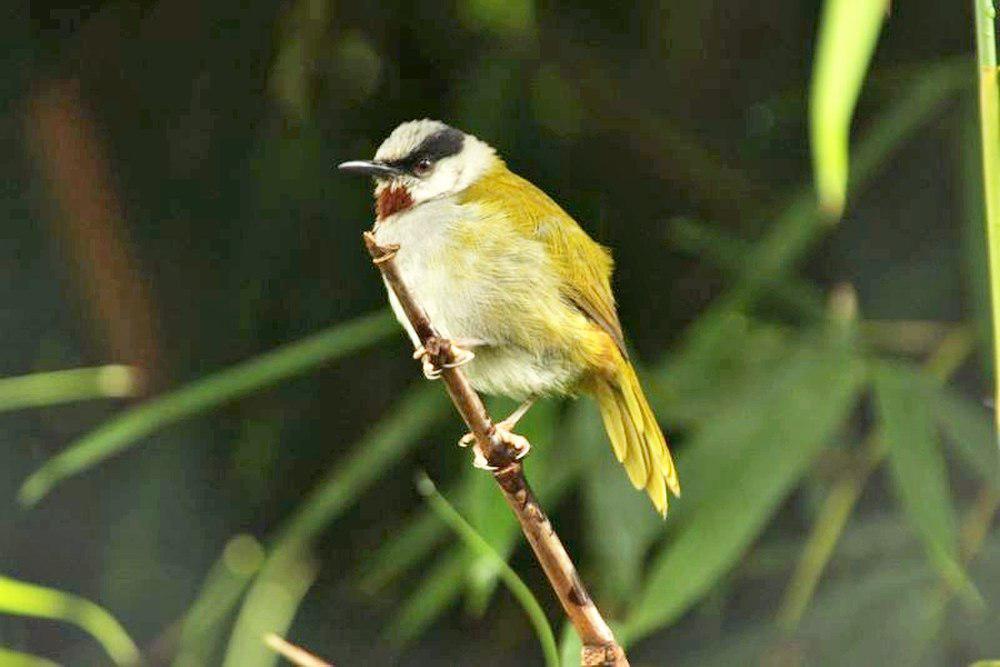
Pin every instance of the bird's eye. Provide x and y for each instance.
(423, 167)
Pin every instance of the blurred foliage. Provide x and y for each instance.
(17, 597)
(822, 384)
(848, 32)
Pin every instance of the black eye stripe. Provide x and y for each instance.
(438, 146)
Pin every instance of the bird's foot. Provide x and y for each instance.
(432, 355)
(516, 443)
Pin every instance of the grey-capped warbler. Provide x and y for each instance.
(515, 284)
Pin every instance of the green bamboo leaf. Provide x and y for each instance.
(570, 646)
(22, 599)
(269, 608)
(221, 592)
(482, 549)
(415, 539)
(76, 384)
(432, 597)
(736, 471)
(800, 223)
(11, 658)
(918, 467)
(439, 587)
(975, 254)
(729, 254)
(551, 474)
(848, 32)
(203, 395)
(384, 445)
(989, 125)
(967, 426)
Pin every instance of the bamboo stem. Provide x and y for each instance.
(989, 123)
(599, 645)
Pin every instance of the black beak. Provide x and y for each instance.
(369, 168)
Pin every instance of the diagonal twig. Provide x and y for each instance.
(599, 645)
(292, 653)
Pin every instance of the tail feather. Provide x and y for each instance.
(635, 435)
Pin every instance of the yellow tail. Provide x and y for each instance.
(635, 435)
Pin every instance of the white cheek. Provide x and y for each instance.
(441, 182)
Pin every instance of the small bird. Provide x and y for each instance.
(514, 283)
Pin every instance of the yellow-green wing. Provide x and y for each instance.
(583, 265)
(585, 268)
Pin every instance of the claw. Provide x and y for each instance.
(479, 461)
(431, 372)
(460, 355)
(518, 443)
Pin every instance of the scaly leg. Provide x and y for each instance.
(461, 353)
(504, 430)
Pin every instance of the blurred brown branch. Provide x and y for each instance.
(599, 644)
(292, 653)
(90, 220)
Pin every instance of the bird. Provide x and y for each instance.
(516, 286)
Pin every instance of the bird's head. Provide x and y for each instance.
(422, 160)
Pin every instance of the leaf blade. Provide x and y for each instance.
(917, 466)
(737, 470)
(202, 395)
(24, 599)
(847, 36)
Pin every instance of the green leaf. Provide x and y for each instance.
(966, 424)
(549, 481)
(738, 468)
(482, 549)
(269, 608)
(570, 646)
(203, 395)
(917, 466)
(799, 224)
(729, 254)
(341, 488)
(989, 125)
(77, 384)
(848, 32)
(10, 658)
(401, 428)
(24, 599)
(415, 539)
(219, 596)
(439, 587)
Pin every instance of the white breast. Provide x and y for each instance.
(438, 273)
(424, 236)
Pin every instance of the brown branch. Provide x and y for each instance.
(599, 645)
(292, 653)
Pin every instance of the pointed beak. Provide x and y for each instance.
(369, 168)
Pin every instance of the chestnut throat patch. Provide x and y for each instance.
(392, 200)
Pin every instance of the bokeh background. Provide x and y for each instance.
(170, 207)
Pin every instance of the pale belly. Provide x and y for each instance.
(467, 297)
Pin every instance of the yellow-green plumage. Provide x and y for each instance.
(596, 341)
